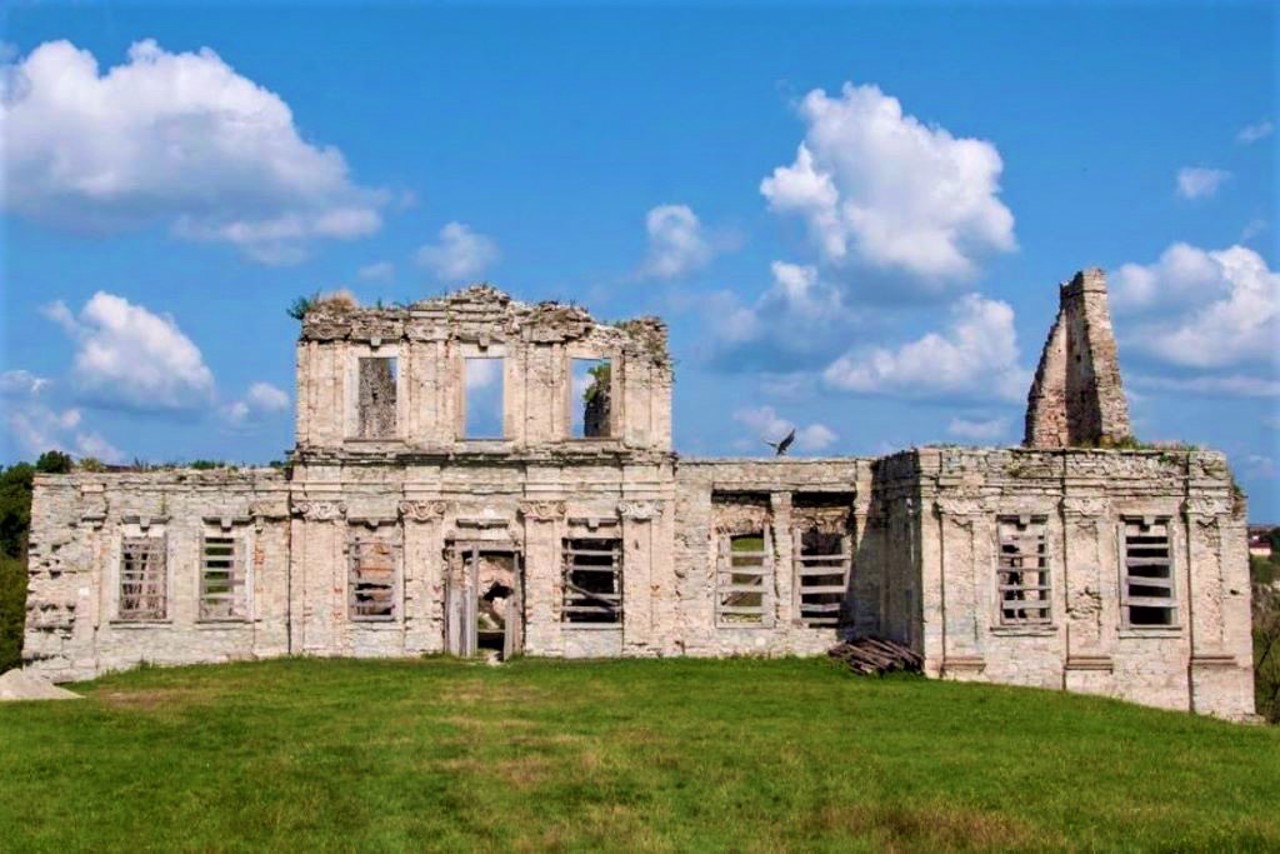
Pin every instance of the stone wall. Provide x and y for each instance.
(1042, 566)
(1077, 397)
(78, 525)
(1201, 661)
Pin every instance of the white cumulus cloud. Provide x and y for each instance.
(1222, 307)
(767, 425)
(459, 254)
(975, 357)
(883, 189)
(127, 356)
(1196, 182)
(260, 401)
(986, 430)
(175, 138)
(800, 317)
(37, 425)
(1250, 134)
(677, 244)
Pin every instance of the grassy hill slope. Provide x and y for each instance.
(657, 755)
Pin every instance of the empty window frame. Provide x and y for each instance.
(821, 576)
(591, 402)
(483, 387)
(744, 579)
(1022, 571)
(371, 583)
(143, 579)
(376, 397)
(592, 581)
(223, 591)
(1147, 588)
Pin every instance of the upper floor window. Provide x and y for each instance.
(483, 397)
(591, 400)
(1147, 595)
(376, 397)
(1022, 573)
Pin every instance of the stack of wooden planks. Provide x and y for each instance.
(872, 655)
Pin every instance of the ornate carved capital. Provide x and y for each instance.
(423, 511)
(1084, 506)
(320, 511)
(542, 511)
(639, 511)
(1207, 505)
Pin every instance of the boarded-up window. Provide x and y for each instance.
(1022, 574)
(1148, 591)
(372, 580)
(376, 412)
(744, 579)
(592, 581)
(822, 576)
(143, 579)
(223, 593)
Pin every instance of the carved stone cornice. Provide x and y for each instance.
(542, 511)
(639, 511)
(742, 519)
(423, 511)
(269, 509)
(320, 511)
(1088, 506)
(822, 520)
(1207, 505)
(963, 506)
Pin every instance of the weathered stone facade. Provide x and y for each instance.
(391, 533)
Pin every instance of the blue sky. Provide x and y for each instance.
(854, 219)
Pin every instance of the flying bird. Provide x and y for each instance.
(781, 447)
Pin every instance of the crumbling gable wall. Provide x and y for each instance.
(1076, 397)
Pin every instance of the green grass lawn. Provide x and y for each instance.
(656, 755)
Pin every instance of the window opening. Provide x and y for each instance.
(592, 581)
(741, 590)
(222, 581)
(376, 410)
(483, 406)
(1022, 576)
(1148, 573)
(143, 579)
(591, 407)
(822, 575)
(372, 580)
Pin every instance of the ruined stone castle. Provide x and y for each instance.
(471, 472)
